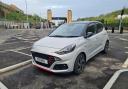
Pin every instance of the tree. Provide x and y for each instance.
(15, 16)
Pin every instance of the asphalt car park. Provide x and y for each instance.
(98, 70)
(11, 46)
(26, 50)
(13, 39)
(9, 58)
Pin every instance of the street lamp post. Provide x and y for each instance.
(120, 24)
(26, 10)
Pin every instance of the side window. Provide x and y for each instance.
(91, 29)
(99, 28)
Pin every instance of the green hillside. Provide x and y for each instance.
(115, 13)
(21, 17)
(109, 19)
(6, 13)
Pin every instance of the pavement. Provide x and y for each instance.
(15, 48)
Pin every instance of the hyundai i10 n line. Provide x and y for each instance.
(70, 46)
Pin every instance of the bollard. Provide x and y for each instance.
(106, 28)
(121, 30)
(113, 29)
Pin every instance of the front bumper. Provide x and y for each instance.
(66, 62)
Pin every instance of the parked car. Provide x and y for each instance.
(70, 46)
(37, 26)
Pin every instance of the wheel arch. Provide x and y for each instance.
(84, 55)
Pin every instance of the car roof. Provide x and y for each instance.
(86, 22)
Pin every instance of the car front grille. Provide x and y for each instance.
(49, 58)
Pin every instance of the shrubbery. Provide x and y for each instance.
(20, 17)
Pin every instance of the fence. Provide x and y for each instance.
(23, 25)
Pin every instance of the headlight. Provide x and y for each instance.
(66, 49)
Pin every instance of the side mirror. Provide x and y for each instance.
(89, 34)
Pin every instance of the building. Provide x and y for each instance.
(15, 8)
(5, 9)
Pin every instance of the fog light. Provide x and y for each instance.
(60, 67)
(57, 59)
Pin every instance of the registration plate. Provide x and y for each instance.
(41, 60)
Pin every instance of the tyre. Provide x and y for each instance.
(79, 64)
(106, 47)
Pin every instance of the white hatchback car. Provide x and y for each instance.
(70, 46)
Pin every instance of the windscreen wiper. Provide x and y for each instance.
(63, 36)
(57, 36)
(72, 36)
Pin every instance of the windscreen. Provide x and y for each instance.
(69, 30)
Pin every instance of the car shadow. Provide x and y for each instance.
(47, 73)
(97, 55)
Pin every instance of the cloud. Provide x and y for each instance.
(56, 7)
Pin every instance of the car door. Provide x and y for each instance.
(91, 40)
(99, 36)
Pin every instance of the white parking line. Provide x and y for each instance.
(3, 70)
(26, 39)
(20, 52)
(123, 39)
(113, 79)
(2, 86)
(125, 65)
(22, 48)
(126, 47)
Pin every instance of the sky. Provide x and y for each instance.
(80, 8)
